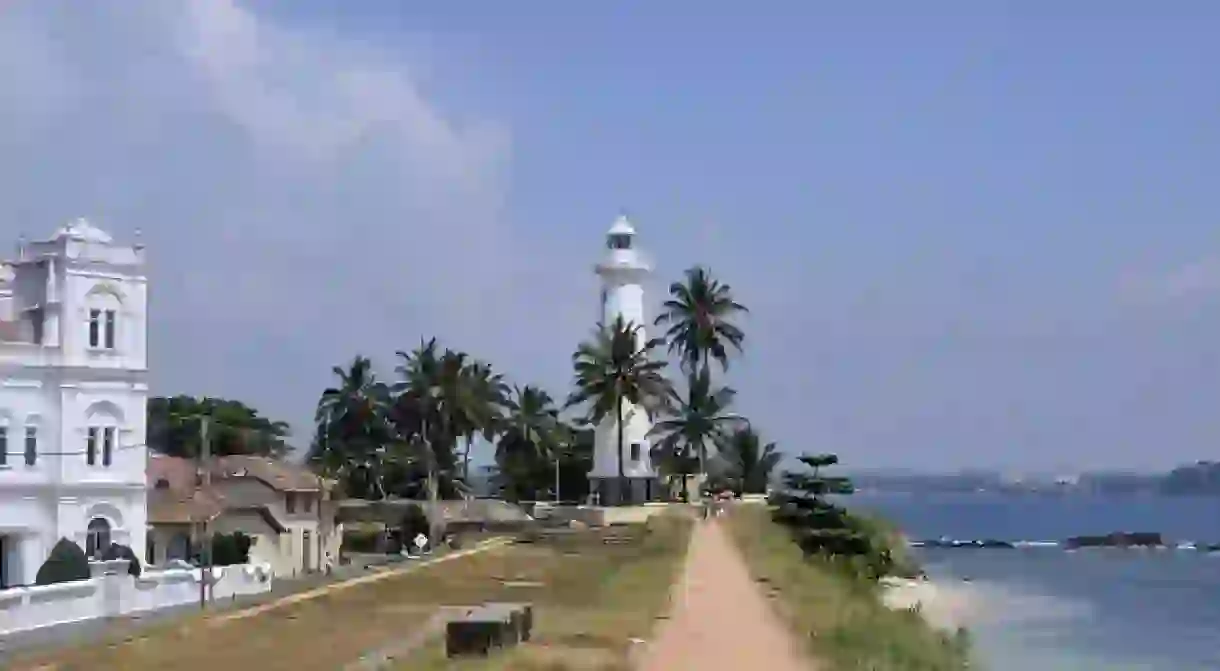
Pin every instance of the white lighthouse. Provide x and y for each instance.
(623, 271)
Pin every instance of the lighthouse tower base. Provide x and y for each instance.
(614, 491)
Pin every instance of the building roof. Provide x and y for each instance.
(181, 474)
(174, 496)
(621, 226)
(264, 513)
(81, 229)
(276, 474)
(167, 506)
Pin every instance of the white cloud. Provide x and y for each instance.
(301, 197)
(1196, 279)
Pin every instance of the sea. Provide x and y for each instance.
(1085, 610)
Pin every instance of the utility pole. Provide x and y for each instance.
(203, 463)
(323, 530)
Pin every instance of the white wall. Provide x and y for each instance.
(117, 594)
(605, 446)
(63, 387)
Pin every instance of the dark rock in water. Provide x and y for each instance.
(1118, 539)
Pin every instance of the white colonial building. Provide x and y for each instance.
(623, 271)
(73, 396)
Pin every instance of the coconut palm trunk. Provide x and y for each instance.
(702, 447)
(436, 522)
(622, 476)
(685, 476)
(434, 508)
(466, 460)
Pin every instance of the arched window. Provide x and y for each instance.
(104, 305)
(97, 538)
(102, 433)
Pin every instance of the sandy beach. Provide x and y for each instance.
(946, 604)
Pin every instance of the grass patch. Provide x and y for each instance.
(840, 618)
(324, 632)
(590, 599)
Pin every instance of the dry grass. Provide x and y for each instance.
(591, 601)
(841, 618)
(324, 632)
(590, 598)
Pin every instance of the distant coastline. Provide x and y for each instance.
(1198, 479)
(1017, 492)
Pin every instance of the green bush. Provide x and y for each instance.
(363, 540)
(231, 549)
(66, 563)
(885, 537)
(414, 522)
(116, 551)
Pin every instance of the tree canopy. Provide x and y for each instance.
(234, 427)
(698, 317)
(400, 438)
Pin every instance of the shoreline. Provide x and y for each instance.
(944, 604)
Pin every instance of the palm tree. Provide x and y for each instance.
(614, 369)
(485, 410)
(352, 429)
(439, 398)
(699, 320)
(416, 415)
(532, 433)
(699, 419)
(751, 461)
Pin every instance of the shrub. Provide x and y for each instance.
(414, 522)
(116, 551)
(822, 528)
(362, 540)
(841, 618)
(231, 549)
(66, 563)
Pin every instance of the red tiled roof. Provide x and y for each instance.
(277, 474)
(166, 506)
(173, 489)
(180, 474)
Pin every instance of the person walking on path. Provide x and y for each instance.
(719, 619)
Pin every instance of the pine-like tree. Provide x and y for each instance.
(818, 525)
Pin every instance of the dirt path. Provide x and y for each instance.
(720, 620)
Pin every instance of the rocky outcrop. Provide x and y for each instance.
(1118, 539)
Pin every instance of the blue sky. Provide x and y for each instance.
(973, 235)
